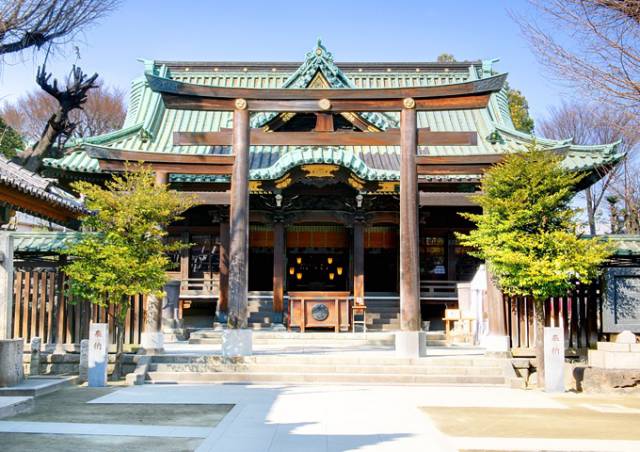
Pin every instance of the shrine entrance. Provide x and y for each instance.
(317, 258)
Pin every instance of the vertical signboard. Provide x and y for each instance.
(553, 359)
(98, 354)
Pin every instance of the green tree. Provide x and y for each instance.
(519, 110)
(527, 232)
(10, 140)
(446, 58)
(124, 252)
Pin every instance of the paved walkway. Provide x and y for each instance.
(326, 418)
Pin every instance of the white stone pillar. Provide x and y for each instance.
(6, 284)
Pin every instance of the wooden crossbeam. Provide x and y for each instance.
(390, 137)
(456, 164)
(461, 102)
(189, 96)
(482, 86)
(116, 160)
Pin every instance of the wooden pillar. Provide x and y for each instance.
(223, 297)
(409, 257)
(278, 269)
(358, 261)
(162, 177)
(239, 219)
(495, 308)
(6, 284)
(60, 306)
(152, 338)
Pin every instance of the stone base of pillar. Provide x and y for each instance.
(411, 344)
(278, 327)
(237, 342)
(495, 343)
(152, 342)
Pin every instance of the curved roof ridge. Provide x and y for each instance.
(322, 155)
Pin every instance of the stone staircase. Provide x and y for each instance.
(329, 369)
(260, 310)
(311, 341)
(383, 314)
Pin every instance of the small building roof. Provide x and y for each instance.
(28, 192)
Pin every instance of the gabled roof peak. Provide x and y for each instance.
(318, 60)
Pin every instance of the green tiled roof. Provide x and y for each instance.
(625, 245)
(43, 242)
(149, 126)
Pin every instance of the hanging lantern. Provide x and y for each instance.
(298, 260)
(339, 270)
(292, 270)
(331, 276)
(330, 260)
(298, 275)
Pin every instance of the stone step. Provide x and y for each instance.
(301, 343)
(300, 359)
(375, 378)
(310, 335)
(324, 369)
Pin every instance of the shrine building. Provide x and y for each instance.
(322, 186)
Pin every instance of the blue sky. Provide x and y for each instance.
(392, 30)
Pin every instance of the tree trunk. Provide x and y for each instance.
(538, 306)
(120, 319)
(591, 214)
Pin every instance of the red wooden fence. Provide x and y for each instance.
(579, 313)
(42, 308)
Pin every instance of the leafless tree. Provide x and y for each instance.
(72, 97)
(103, 112)
(592, 44)
(595, 124)
(33, 23)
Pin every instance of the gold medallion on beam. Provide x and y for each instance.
(241, 104)
(409, 102)
(324, 104)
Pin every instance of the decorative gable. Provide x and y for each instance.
(320, 71)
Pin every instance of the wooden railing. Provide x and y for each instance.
(441, 291)
(199, 287)
(578, 313)
(42, 308)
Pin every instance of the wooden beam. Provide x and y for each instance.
(487, 159)
(390, 137)
(167, 86)
(462, 102)
(444, 170)
(446, 199)
(456, 164)
(221, 198)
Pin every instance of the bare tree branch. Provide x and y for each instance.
(592, 44)
(72, 97)
(34, 23)
(591, 124)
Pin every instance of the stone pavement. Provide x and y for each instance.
(282, 418)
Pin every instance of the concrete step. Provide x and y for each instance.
(299, 359)
(374, 378)
(327, 369)
(293, 336)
